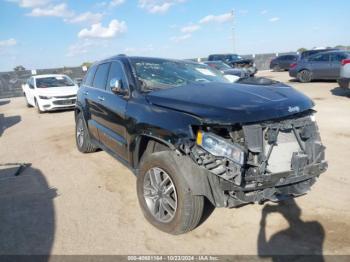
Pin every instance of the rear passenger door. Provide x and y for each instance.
(320, 66)
(282, 61)
(112, 129)
(336, 59)
(94, 99)
(290, 59)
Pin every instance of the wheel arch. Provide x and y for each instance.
(148, 144)
(304, 68)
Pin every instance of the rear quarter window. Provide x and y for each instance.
(89, 78)
(101, 76)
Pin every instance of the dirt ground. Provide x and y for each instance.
(70, 203)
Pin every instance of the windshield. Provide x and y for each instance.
(234, 57)
(54, 81)
(162, 74)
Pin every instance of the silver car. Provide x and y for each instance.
(321, 66)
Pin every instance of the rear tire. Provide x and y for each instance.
(276, 68)
(186, 213)
(82, 136)
(304, 76)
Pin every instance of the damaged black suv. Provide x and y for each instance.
(190, 135)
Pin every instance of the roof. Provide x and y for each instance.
(117, 57)
(47, 75)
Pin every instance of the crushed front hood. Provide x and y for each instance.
(233, 103)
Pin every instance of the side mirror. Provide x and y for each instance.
(116, 87)
(31, 86)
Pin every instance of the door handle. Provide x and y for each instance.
(86, 93)
(101, 98)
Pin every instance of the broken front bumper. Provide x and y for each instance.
(283, 159)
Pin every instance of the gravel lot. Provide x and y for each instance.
(70, 203)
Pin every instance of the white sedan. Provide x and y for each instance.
(50, 92)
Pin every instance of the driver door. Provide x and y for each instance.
(112, 131)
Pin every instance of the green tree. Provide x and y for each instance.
(302, 49)
(19, 68)
(87, 64)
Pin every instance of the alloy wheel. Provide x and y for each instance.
(160, 194)
(305, 76)
(80, 132)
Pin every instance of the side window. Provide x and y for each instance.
(90, 76)
(101, 76)
(320, 58)
(338, 57)
(31, 83)
(116, 72)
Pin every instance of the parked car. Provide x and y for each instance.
(321, 66)
(50, 92)
(235, 61)
(306, 54)
(283, 62)
(233, 74)
(189, 134)
(344, 79)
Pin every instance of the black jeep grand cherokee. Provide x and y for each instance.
(188, 134)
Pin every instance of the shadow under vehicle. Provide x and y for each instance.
(190, 134)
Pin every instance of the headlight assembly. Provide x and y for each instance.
(217, 146)
(45, 97)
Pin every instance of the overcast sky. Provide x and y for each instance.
(52, 33)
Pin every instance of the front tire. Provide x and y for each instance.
(27, 102)
(164, 195)
(82, 136)
(304, 76)
(38, 107)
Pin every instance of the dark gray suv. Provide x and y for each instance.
(321, 66)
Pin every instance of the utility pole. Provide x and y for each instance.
(233, 31)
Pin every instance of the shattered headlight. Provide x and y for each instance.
(218, 146)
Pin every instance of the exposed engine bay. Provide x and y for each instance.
(264, 161)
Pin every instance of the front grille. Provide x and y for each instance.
(64, 102)
(70, 96)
